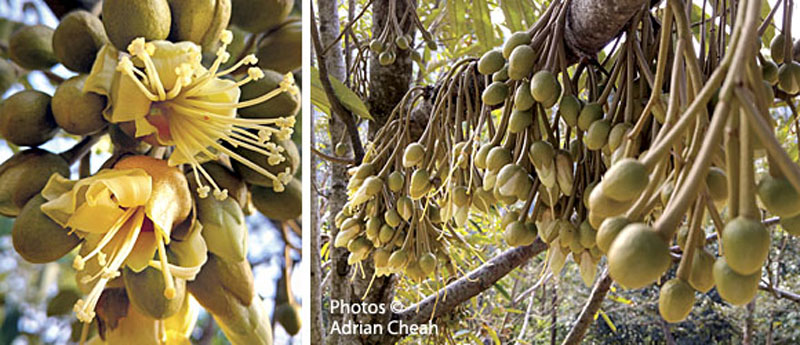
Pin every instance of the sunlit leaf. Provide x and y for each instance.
(482, 22)
(492, 334)
(347, 97)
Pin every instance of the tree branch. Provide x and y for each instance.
(780, 293)
(470, 285)
(337, 108)
(586, 316)
(332, 158)
(591, 24)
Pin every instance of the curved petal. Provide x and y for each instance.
(98, 218)
(130, 102)
(103, 70)
(168, 56)
(131, 188)
(221, 91)
(93, 197)
(143, 251)
(60, 204)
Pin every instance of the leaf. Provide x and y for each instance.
(512, 15)
(502, 291)
(457, 16)
(769, 33)
(529, 9)
(607, 320)
(492, 334)
(482, 22)
(347, 97)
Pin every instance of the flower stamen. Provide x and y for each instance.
(84, 309)
(169, 291)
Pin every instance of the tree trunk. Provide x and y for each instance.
(317, 325)
(388, 84)
(337, 183)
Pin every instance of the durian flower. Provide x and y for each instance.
(166, 92)
(126, 215)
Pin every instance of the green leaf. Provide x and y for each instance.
(502, 291)
(347, 97)
(492, 334)
(482, 22)
(457, 16)
(512, 14)
(606, 319)
(769, 33)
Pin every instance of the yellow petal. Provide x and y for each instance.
(129, 187)
(94, 219)
(134, 329)
(182, 323)
(56, 186)
(144, 128)
(143, 251)
(221, 91)
(168, 56)
(60, 204)
(128, 100)
(103, 70)
(163, 208)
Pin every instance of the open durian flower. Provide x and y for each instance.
(126, 215)
(173, 100)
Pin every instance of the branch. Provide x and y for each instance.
(470, 285)
(74, 154)
(347, 27)
(780, 293)
(591, 24)
(332, 158)
(337, 108)
(586, 316)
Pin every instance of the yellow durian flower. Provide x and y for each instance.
(125, 215)
(173, 100)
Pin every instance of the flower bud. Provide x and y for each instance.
(39, 239)
(24, 175)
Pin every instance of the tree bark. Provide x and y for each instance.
(388, 84)
(591, 24)
(591, 307)
(464, 288)
(337, 184)
(317, 325)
